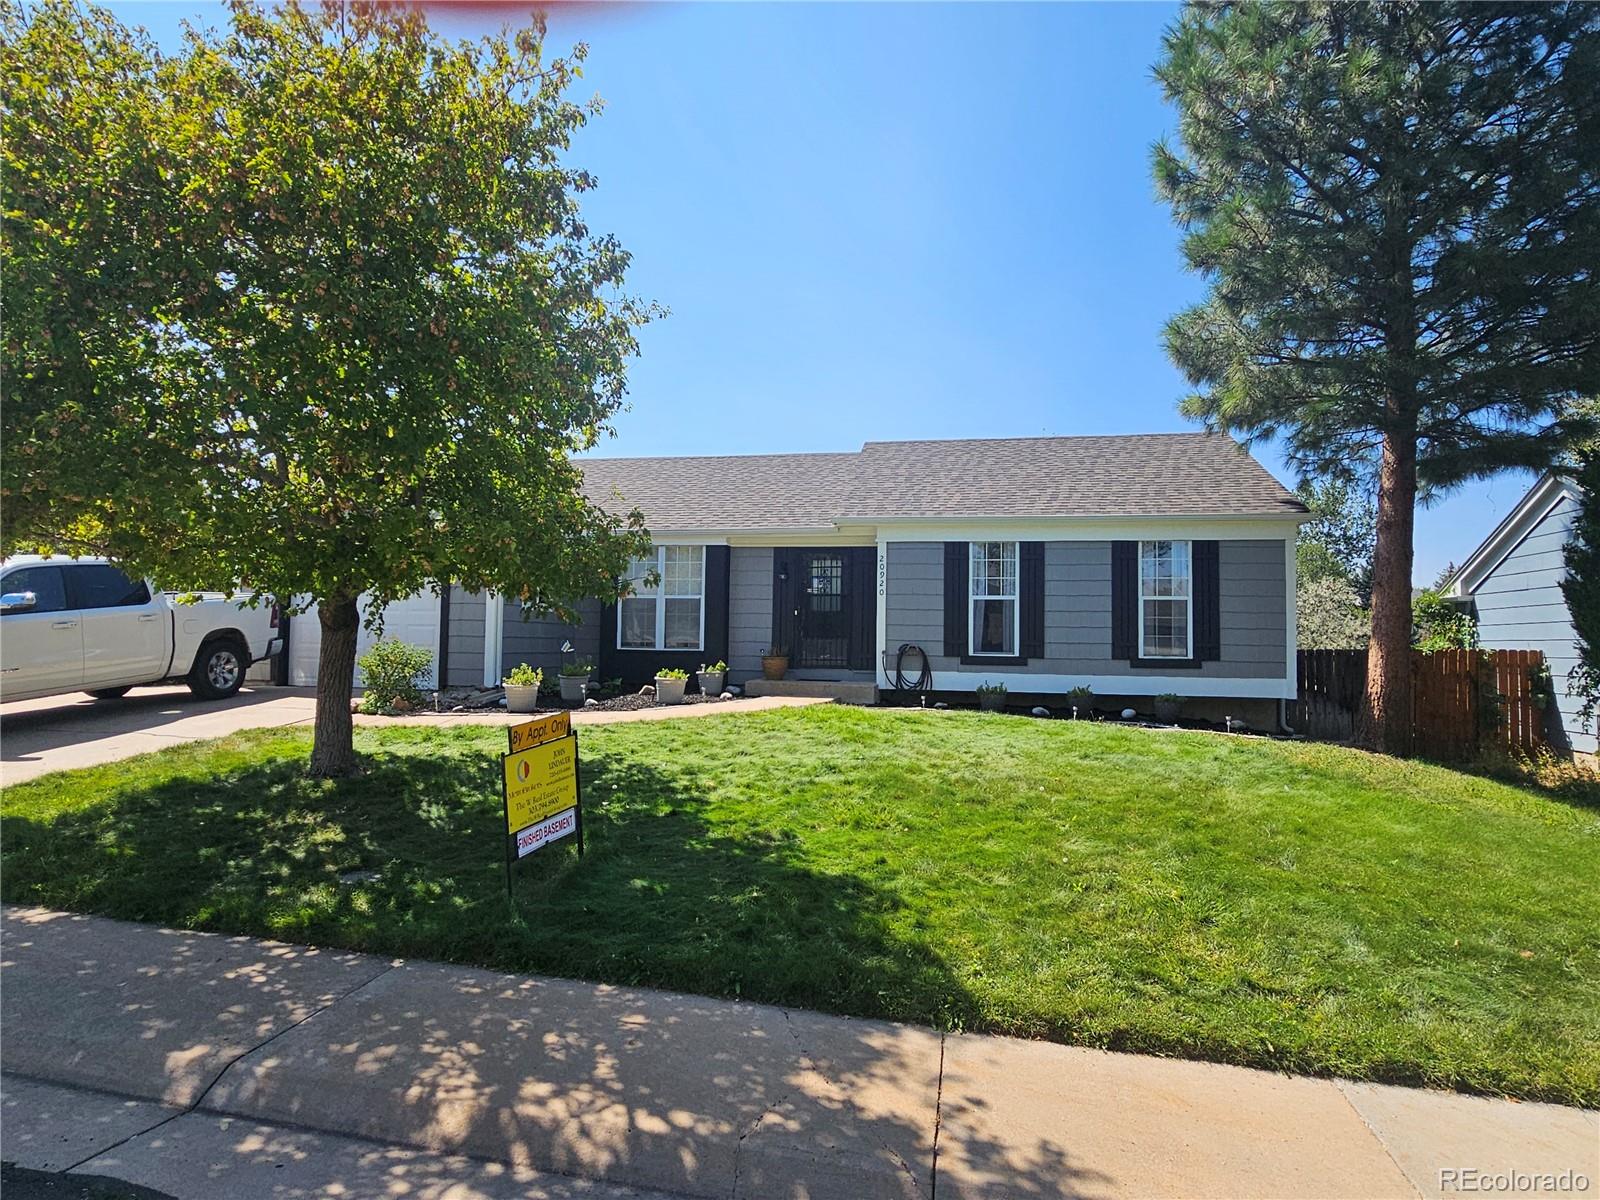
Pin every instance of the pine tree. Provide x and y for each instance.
(1581, 587)
(1397, 208)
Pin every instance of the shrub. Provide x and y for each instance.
(522, 675)
(672, 673)
(392, 669)
(577, 670)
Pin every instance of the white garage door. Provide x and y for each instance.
(414, 619)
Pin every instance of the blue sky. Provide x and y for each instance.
(890, 221)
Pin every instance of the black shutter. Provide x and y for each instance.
(783, 593)
(1030, 584)
(1207, 602)
(862, 596)
(957, 560)
(716, 602)
(1124, 600)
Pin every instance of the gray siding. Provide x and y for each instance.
(465, 635)
(537, 640)
(749, 609)
(1520, 607)
(1077, 610)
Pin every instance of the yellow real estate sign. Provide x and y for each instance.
(540, 730)
(541, 781)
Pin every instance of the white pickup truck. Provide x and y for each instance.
(81, 625)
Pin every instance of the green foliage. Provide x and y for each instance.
(1384, 255)
(717, 668)
(1581, 587)
(672, 673)
(308, 307)
(392, 670)
(522, 675)
(577, 670)
(1329, 614)
(1304, 907)
(990, 689)
(1442, 625)
(1339, 537)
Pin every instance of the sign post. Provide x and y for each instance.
(539, 789)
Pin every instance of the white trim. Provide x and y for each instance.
(494, 632)
(1187, 598)
(1184, 683)
(880, 583)
(1291, 649)
(660, 596)
(1015, 598)
(1529, 513)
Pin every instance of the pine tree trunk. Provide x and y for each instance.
(333, 750)
(1386, 716)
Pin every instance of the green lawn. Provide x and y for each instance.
(1287, 905)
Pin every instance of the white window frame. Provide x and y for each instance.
(1187, 599)
(1015, 597)
(660, 596)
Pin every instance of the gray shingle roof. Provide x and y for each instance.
(1164, 474)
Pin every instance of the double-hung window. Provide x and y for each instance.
(993, 598)
(1166, 603)
(668, 614)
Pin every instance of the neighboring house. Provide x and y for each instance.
(1512, 584)
(1132, 565)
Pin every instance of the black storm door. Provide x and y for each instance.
(822, 615)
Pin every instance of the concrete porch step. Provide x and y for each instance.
(842, 691)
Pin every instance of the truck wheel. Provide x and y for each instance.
(116, 693)
(219, 669)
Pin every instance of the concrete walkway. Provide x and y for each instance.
(205, 1065)
(61, 732)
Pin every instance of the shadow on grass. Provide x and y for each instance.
(637, 1087)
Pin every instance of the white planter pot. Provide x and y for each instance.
(572, 688)
(669, 691)
(521, 699)
(711, 682)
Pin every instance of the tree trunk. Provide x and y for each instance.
(1386, 716)
(333, 750)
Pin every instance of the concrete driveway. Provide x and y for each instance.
(59, 732)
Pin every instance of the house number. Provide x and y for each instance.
(883, 571)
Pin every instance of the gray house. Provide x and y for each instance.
(1132, 565)
(1512, 584)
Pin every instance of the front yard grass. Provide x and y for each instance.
(1296, 906)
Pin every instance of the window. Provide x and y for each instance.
(668, 614)
(1166, 627)
(100, 586)
(44, 582)
(993, 600)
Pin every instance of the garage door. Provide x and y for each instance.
(414, 619)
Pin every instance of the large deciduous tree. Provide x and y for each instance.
(1397, 209)
(307, 308)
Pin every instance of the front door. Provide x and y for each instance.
(825, 608)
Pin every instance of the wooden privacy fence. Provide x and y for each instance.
(1463, 701)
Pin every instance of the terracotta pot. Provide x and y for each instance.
(774, 666)
(521, 699)
(669, 691)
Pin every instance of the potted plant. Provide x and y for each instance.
(713, 677)
(522, 688)
(670, 682)
(575, 681)
(774, 664)
(1081, 699)
(1168, 706)
(991, 696)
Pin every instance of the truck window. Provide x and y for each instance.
(101, 586)
(43, 582)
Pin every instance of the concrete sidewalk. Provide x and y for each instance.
(62, 732)
(230, 1066)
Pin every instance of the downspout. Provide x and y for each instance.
(1283, 717)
